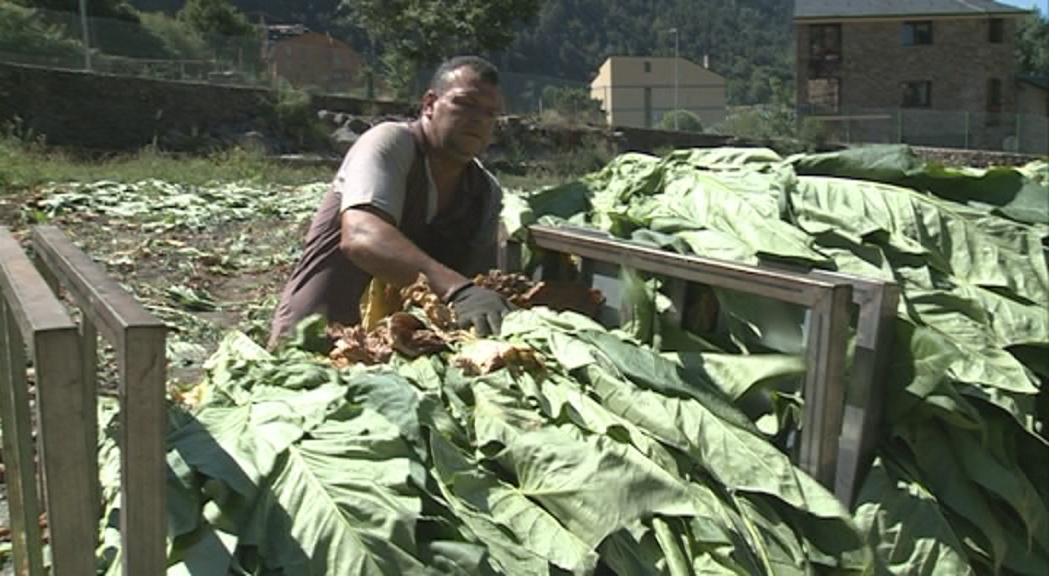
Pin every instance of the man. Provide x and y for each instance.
(409, 199)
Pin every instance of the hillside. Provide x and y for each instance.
(747, 41)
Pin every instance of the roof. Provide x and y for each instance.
(869, 8)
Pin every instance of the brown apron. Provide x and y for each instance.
(324, 281)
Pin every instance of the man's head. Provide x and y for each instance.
(461, 105)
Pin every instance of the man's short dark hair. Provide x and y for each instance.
(484, 69)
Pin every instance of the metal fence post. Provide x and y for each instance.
(967, 127)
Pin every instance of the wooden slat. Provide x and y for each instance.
(109, 307)
(508, 256)
(52, 337)
(33, 306)
(139, 339)
(877, 301)
(824, 391)
(20, 473)
(89, 388)
(730, 275)
(864, 401)
(142, 462)
(60, 405)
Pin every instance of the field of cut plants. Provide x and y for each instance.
(566, 446)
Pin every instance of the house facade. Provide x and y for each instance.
(638, 90)
(313, 60)
(929, 72)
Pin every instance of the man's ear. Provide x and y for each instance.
(429, 98)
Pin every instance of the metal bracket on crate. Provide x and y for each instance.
(832, 449)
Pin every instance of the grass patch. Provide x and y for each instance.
(532, 181)
(24, 165)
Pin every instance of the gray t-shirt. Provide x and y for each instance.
(377, 172)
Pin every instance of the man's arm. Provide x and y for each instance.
(373, 243)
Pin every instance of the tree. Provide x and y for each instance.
(23, 31)
(573, 103)
(215, 18)
(1032, 44)
(686, 121)
(424, 33)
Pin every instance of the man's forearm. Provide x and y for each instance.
(380, 249)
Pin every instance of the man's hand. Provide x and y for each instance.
(479, 307)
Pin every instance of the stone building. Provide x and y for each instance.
(928, 72)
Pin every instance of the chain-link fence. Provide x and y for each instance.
(161, 47)
(1023, 133)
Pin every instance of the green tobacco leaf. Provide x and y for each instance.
(906, 527)
(501, 413)
(593, 486)
(563, 398)
(390, 395)
(626, 553)
(773, 539)
(944, 475)
(651, 371)
(521, 536)
(205, 551)
(1012, 192)
(1006, 481)
(738, 458)
(919, 225)
(737, 374)
(743, 205)
(917, 369)
(983, 360)
(341, 502)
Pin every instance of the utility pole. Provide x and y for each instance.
(86, 40)
(676, 82)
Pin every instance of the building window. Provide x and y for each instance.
(824, 95)
(996, 30)
(917, 94)
(994, 102)
(916, 33)
(824, 50)
(648, 66)
(994, 95)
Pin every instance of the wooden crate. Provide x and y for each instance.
(841, 419)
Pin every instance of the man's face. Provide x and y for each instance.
(464, 115)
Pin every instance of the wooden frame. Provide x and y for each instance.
(835, 462)
(140, 343)
(861, 425)
(32, 317)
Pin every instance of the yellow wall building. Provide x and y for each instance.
(638, 91)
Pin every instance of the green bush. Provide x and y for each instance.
(686, 121)
(573, 104)
(179, 39)
(24, 31)
(294, 115)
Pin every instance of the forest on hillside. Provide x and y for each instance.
(747, 41)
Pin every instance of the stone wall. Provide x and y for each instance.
(119, 113)
(110, 113)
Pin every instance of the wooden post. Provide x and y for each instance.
(20, 471)
(139, 339)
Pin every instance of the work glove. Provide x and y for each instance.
(479, 307)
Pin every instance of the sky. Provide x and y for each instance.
(1042, 5)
